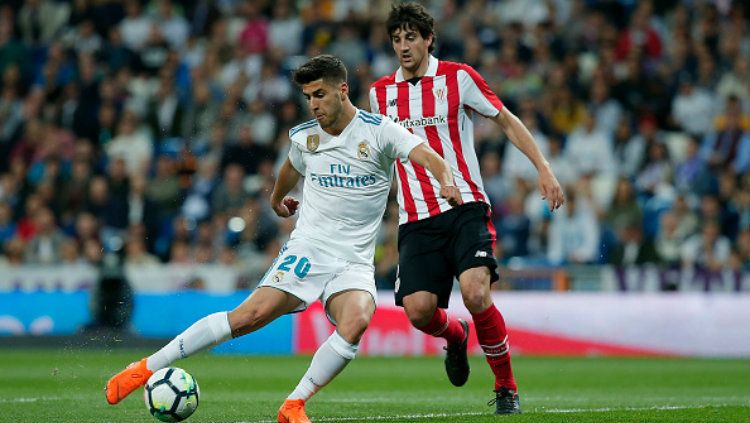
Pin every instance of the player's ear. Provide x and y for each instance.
(344, 89)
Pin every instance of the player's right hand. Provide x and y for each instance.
(452, 194)
(286, 208)
(550, 189)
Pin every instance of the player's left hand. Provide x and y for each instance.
(551, 190)
(287, 207)
(452, 194)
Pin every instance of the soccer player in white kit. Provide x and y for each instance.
(346, 156)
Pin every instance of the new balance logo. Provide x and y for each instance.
(392, 103)
(481, 254)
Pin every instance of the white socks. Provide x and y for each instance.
(207, 332)
(327, 362)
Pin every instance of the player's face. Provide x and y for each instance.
(411, 49)
(325, 101)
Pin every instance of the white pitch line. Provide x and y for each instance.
(17, 400)
(23, 400)
(382, 418)
(609, 409)
(536, 410)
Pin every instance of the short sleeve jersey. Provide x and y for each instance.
(438, 108)
(347, 180)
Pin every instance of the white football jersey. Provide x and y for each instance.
(347, 179)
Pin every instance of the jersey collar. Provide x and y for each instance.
(328, 141)
(432, 66)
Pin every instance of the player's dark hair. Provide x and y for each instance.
(325, 66)
(411, 16)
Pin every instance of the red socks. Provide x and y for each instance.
(493, 338)
(441, 326)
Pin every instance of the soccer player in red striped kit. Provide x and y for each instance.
(436, 100)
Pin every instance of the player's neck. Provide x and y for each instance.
(347, 114)
(420, 70)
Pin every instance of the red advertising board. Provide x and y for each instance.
(572, 324)
(390, 333)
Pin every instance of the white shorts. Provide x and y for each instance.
(311, 274)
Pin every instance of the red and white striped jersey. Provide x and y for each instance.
(438, 109)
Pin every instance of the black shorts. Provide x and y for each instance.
(435, 250)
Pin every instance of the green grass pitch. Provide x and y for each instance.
(67, 386)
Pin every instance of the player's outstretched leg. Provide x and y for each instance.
(352, 311)
(421, 308)
(206, 332)
(260, 308)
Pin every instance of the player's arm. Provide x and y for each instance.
(520, 136)
(283, 205)
(426, 157)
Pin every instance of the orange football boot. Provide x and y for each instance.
(122, 384)
(293, 411)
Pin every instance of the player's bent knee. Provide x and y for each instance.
(476, 301)
(419, 315)
(475, 289)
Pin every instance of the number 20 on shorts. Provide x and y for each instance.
(300, 269)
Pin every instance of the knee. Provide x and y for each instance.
(353, 328)
(419, 312)
(475, 290)
(476, 300)
(244, 321)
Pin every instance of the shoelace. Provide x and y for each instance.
(493, 401)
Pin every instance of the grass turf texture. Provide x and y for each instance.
(67, 386)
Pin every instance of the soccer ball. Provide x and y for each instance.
(171, 394)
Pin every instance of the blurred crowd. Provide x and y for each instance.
(153, 128)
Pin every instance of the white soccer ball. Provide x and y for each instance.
(171, 394)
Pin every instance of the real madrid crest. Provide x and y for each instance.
(278, 277)
(313, 141)
(363, 151)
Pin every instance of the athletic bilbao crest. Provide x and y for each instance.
(313, 141)
(363, 151)
(439, 93)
